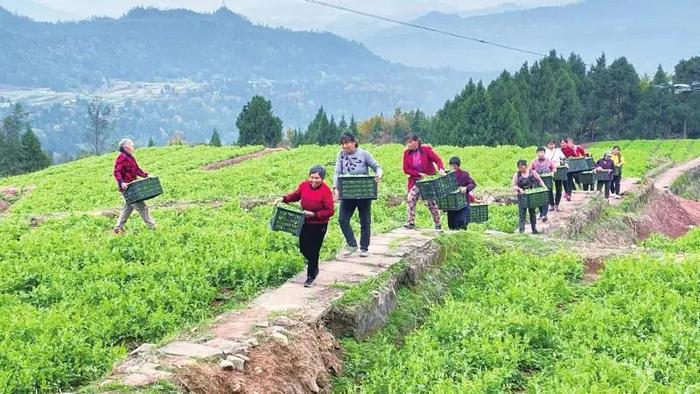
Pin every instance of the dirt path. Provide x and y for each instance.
(236, 160)
(666, 179)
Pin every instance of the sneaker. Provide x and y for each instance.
(410, 226)
(567, 197)
(556, 208)
(438, 228)
(544, 219)
(309, 282)
(534, 231)
(364, 253)
(349, 250)
(118, 231)
(551, 207)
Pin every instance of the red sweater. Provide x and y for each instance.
(427, 159)
(126, 169)
(319, 201)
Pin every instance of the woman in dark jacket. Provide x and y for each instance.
(419, 160)
(525, 179)
(317, 202)
(605, 164)
(459, 220)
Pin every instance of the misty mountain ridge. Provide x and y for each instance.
(647, 32)
(227, 58)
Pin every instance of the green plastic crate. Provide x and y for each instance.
(590, 163)
(453, 201)
(288, 219)
(142, 190)
(560, 174)
(548, 179)
(616, 171)
(357, 187)
(603, 176)
(479, 213)
(578, 164)
(534, 198)
(436, 186)
(587, 178)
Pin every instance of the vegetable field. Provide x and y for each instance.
(74, 298)
(522, 321)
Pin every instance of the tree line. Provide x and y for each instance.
(20, 149)
(552, 98)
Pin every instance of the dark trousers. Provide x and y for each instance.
(569, 184)
(615, 185)
(607, 187)
(522, 211)
(310, 241)
(555, 197)
(458, 220)
(347, 209)
(587, 187)
(544, 210)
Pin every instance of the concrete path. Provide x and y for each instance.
(148, 364)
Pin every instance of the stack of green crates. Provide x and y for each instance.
(142, 190)
(288, 219)
(548, 179)
(453, 201)
(560, 174)
(479, 213)
(534, 198)
(434, 187)
(587, 178)
(603, 176)
(357, 187)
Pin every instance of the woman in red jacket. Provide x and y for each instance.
(317, 202)
(126, 170)
(418, 161)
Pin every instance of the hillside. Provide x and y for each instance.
(201, 68)
(81, 298)
(647, 32)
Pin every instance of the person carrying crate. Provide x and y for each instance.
(459, 220)
(619, 161)
(605, 165)
(419, 160)
(542, 165)
(352, 160)
(525, 179)
(317, 202)
(126, 170)
(557, 157)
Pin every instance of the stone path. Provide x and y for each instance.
(149, 364)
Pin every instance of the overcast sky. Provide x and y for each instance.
(295, 14)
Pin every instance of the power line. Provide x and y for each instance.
(460, 36)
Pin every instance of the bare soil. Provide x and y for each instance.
(305, 365)
(237, 160)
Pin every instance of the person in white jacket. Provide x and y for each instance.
(557, 157)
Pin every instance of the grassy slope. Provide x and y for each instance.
(77, 297)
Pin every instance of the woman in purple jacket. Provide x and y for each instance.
(605, 164)
(459, 220)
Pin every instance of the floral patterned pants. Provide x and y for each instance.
(412, 201)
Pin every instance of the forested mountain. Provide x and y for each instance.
(647, 32)
(178, 70)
